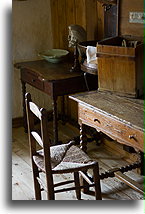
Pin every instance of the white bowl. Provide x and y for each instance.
(54, 55)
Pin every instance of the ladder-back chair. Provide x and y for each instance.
(59, 159)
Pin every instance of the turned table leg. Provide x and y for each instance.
(141, 154)
(24, 106)
(63, 118)
(83, 144)
(55, 123)
(83, 138)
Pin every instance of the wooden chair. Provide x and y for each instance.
(59, 159)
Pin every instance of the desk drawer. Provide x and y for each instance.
(31, 79)
(114, 128)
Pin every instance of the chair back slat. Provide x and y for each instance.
(37, 138)
(34, 108)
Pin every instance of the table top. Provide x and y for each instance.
(49, 71)
(127, 110)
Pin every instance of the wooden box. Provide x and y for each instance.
(120, 69)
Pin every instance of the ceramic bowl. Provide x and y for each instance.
(54, 55)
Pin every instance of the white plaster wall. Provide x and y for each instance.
(31, 34)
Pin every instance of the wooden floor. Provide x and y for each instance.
(112, 188)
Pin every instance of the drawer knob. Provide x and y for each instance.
(132, 137)
(33, 80)
(96, 120)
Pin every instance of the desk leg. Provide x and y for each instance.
(24, 106)
(83, 143)
(63, 110)
(83, 138)
(55, 124)
(142, 170)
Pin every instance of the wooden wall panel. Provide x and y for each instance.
(70, 12)
(127, 28)
(91, 19)
(90, 15)
(66, 12)
(62, 24)
(54, 23)
(80, 6)
(100, 21)
(70, 16)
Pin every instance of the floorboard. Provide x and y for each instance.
(112, 188)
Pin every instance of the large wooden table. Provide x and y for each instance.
(120, 118)
(54, 80)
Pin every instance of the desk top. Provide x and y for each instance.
(126, 110)
(49, 71)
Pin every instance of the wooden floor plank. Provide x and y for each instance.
(21, 178)
(106, 161)
(17, 192)
(112, 188)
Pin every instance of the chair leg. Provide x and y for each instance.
(77, 185)
(50, 186)
(36, 183)
(85, 183)
(98, 194)
(50, 194)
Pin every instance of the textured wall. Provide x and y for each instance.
(42, 24)
(31, 34)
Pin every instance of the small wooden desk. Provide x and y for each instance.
(54, 80)
(120, 118)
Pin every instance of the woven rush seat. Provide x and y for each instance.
(57, 159)
(64, 158)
